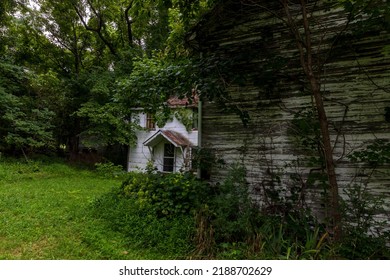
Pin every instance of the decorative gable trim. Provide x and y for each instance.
(171, 136)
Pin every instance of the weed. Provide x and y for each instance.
(365, 236)
(109, 170)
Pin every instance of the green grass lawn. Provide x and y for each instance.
(44, 214)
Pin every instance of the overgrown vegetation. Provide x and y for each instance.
(366, 235)
(55, 211)
(188, 218)
(109, 170)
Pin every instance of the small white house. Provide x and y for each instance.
(169, 147)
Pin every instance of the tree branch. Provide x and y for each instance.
(97, 30)
(129, 23)
(298, 38)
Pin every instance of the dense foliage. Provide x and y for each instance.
(155, 211)
(119, 225)
(71, 71)
(167, 195)
(24, 123)
(178, 213)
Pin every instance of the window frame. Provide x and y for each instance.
(171, 157)
(149, 122)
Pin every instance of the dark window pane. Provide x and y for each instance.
(168, 164)
(169, 157)
(169, 150)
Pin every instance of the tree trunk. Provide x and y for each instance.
(328, 157)
(129, 23)
(303, 40)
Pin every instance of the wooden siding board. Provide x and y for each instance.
(351, 82)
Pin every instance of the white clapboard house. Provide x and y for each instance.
(169, 147)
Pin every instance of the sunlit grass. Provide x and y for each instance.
(44, 214)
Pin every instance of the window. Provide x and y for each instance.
(169, 157)
(150, 122)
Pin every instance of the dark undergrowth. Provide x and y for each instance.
(190, 219)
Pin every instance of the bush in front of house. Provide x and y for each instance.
(232, 226)
(161, 236)
(166, 195)
(365, 224)
(186, 218)
(155, 211)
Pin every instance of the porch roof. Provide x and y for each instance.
(171, 136)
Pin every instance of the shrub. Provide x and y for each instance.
(185, 217)
(142, 228)
(233, 211)
(232, 226)
(109, 170)
(229, 220)
(155, 211)
(365, 235)
(167, 195)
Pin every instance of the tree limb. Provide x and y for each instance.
(129, 23)
(97, 30)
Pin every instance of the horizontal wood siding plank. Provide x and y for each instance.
(355, 83)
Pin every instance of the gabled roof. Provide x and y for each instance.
(171, 136)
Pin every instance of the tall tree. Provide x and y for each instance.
(303, 39)
(25, 124)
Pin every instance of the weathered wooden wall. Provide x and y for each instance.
(355, 82)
